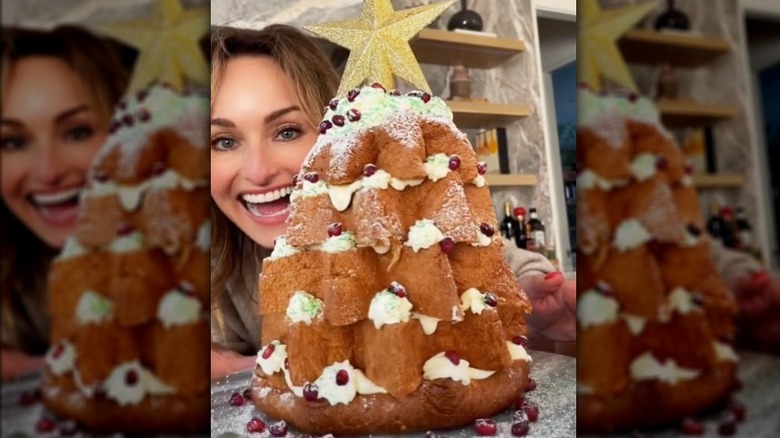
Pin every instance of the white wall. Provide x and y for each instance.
(762, 7)
(557, 9)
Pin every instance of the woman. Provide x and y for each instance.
(268, 92)
(59, 89)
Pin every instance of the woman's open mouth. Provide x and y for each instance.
(57, 208)
(271, 204)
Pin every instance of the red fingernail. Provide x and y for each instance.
(552, 275)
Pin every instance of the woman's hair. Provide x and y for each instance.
(314, 83)
(26, 258)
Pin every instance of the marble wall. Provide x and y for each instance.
(517, 81)
(724, 81)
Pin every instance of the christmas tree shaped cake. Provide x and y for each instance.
(388, 305)
(654, 320)
(129, 293)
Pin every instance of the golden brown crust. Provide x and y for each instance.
(438, 404)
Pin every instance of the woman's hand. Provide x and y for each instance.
(554, 301)
(758, 297)
(15, 363)
(224, 362)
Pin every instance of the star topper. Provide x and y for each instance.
(378, 43)
(600, 32)
(168, 45)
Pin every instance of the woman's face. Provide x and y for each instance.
(259, 138)
(51, 131)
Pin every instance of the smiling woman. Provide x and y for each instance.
(58, 91)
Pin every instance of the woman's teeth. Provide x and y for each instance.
(48, 199)
(267, 197)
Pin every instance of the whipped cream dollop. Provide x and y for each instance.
(401, 184)
(428, 323)
(423, 234)
(61, 357)
(631, 234)
(283, 249)
(379, 180)
(303, 307)
(479, 181)
(643, 167)
(203, 239)
(681, 301)
(594, 308)
(647, 367)
(687, 181)
(178, 308)
(330, 389)
(724, 352)
(94, 308)
(388, 308)
(518, 352)
(473, 300)
(437, 166)
(310, 189)
(482, 238)
(129, 383)
(341, 195)
(635, 323)
(100, 188)
(171, 179)
(71, 249)
(341, 243)
(441, 367)
(130, 196)
(271, 357)
(133, 241)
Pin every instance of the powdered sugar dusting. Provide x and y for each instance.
(404, 127)
(454, 217)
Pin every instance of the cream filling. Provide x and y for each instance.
(593, 309)
(428, 323)
(631, 234)
(203, 240)
(681, 300)
(439, 367)
(64, 361)
(358, 383)
(303, 307)
(283, 249)
(643, 167)
(387, 308)
(93, 308)
(479, 181)
(482, 239)
(518, 352)
(341, 196)
(71, 249)
(129, 243)
(437, 166)
(176, 308)
(275, 362)
(474, 300)
(635, 323)
(724, 352)
(401, 184)
(126, 394)
(647, 367)
(423, 234)
(341, 243)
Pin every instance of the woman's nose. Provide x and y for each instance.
(260, 166)
(50, 165)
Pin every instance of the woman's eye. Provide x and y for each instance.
(11, 143)
(79, 133)
(223, 143)
(288, 134)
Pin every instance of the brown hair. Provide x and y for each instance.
(25, 258)
(314, 83)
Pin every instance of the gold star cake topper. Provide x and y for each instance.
(378, 43)
(167, 43)
(600, 31)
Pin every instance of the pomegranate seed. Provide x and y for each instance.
(143, 114)
(324, 126)
(697, 299)
(486, 229)
(353, 115)
(691, 427)
(255, 425)
(187, 288)
(661, 163)
(520, 428)
(490, 300)
(378, 85)
(485, 427)
(395, 93)
(128, 120)
(520, 340)
(688, 169)
(398, 289)
(531, 385)
(27, 398)
(124, 229)
(338, 120)
(482, 168)
(519, 415)
(352, 94)
(158, 168)
(310, 392)
(604, 289)
(694, 230)
(369, 169)
(454, 162)
(68, 428)
(311, 177)
(342, 377)
(114, 127)
(57, 351)
(131, 377)
(269, 350)
(100, 175)
(122, 104)
(100, 393)
(278, 429)
(334, 230)
(334, 103)
(45, 425)
(236, 399)
(738, 409)
(531, 409)
(141, 95)
(453, 357)
(287, 363)
(727, 429)
(247, 393)
(446, 245)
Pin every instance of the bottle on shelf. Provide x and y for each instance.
(744, 230)
(521, 238)
(715, 223)
(672, 18)
(536, 231)
(509, 226)
(729, 236)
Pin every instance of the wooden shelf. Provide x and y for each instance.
(691, 113)
(434, 46)
(485, 115)
(501, 180)
(718, 180)
(650, 47)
